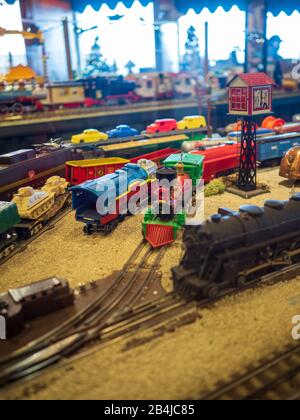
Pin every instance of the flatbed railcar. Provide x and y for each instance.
(34, 170)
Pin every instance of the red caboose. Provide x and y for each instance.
(250, 94)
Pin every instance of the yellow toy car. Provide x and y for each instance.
(89, 136)
(192, 122)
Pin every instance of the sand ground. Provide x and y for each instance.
(238, 331)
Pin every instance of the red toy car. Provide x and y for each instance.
(162, 126)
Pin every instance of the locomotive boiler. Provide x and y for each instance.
(229, 251)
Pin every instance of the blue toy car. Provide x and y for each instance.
(122, 131)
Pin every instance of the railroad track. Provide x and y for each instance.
(139, 319)
(113, 316)
(94, 111)
(275, 379)
(116, 303)
(22, 244)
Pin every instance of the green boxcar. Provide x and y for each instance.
(193, 165)
(9, 216)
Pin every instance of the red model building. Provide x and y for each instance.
(250, 94)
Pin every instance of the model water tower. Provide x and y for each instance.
(250, 95)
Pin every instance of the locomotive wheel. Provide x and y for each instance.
(88, 229)
(18, 109)
(284, 257)
(8, 250)
(4, 110)
(34, 231)
(122, 218)
(241, 281)
(108, 229)
(211, 291)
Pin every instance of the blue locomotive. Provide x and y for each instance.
(110, 189)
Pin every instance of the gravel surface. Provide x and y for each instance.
(236, 332)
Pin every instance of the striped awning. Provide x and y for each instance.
(274, 6)
(80, 5)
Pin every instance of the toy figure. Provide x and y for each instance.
(274, 59)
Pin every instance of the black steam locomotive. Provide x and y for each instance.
(110, 90)
(232, 249)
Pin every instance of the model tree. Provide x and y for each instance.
(130, 66)
(96, 64)
(191, 59)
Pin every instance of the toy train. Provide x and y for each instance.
(161, 225)
(91, 92)
(80, 171)
(29, 167)
(227, 252)
(115, 190)
(219, 160)
(17, 102)
(29, 211)
(224, 159)
(19, 306)
(205, 164)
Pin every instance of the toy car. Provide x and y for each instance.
(122, 131)
(193, 122)
(162, 126)
(89, 136)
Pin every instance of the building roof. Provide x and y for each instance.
(20, 73)
(254, 79)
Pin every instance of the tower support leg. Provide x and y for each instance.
(247, 180)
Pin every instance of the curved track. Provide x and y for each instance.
(116, 304)
(114, 317)
(273, 380)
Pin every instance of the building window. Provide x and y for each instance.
(226, 33)
(239, 99)
(12, 47)
(124, 35)
(288, 29)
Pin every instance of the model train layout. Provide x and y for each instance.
(139, 239)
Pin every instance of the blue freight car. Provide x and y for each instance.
(270, 150)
